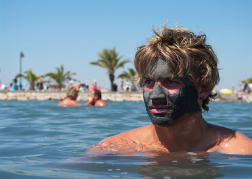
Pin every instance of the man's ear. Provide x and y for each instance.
(204, 93)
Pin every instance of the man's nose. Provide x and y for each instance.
(157, 93)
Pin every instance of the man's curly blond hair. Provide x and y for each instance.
(185, 52)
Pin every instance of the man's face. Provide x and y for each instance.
(93, 96)
(167, 99)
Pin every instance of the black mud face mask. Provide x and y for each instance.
(184, 101)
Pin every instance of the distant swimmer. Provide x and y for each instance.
(177, 71)
(247, 99)
(95, 99)
(70, 100)
(239, 96)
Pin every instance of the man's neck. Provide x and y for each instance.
(97, 101)
(187, 134)
(69, 98)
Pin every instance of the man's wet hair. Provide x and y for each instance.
(186, 53)
(97, 92)
(72, 91)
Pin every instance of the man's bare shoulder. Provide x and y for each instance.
(134, 134)
(129, 140)
(240, 144)
(231, 142)
(68, 103)
(100, 103)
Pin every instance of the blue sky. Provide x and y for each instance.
(71, 32)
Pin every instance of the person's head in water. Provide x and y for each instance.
(97, 95)
(174, 67)
(72, 92)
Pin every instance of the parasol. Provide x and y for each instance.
(226, 91)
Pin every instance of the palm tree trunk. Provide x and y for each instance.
(111, 78)
(133, 87)
(60, 86)
(32, 86)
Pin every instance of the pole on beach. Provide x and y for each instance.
(20, 79)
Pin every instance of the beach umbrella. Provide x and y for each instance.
(226, 91)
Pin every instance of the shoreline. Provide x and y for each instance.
(106, 96)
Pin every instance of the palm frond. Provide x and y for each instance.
(130, 74)
(29, 76)
(122, 63)
(110, 60)
(98, 63)
(59, 76)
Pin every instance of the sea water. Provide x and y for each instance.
(41, 140)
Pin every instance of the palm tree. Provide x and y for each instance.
(130, 76)
(60, 77)
(249, 80)
(30, 77)
(110, 60)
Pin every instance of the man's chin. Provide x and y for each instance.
(160, 120)
(159, 115)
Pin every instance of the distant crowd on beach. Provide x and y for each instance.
(245, 88)
(42, 86)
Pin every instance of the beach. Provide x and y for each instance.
(107, 96)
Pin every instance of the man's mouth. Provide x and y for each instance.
(159, 106)
(160, 109)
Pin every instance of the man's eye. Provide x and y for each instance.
(172, 82)
(148, 82)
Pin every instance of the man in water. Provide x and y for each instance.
(70, 100)
(177, 71)
(95, 99)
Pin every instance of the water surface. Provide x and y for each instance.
(41, 140)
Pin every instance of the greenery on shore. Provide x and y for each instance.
(129, 75)
(60, 77)
(110, 60)
(249, 80)
(30, 77)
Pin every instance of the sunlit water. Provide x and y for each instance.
(41, 140)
